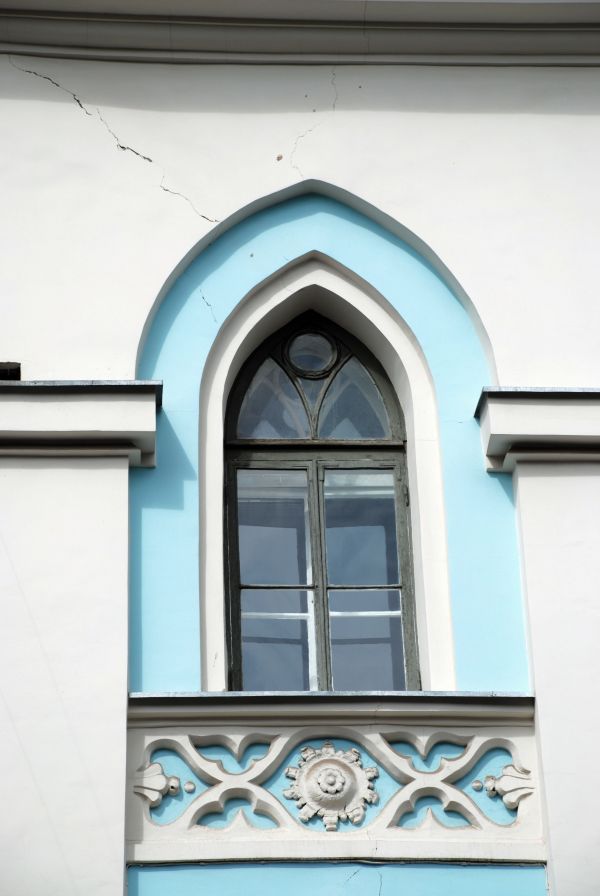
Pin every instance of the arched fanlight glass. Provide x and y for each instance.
(313, 386)
(318, 557)
(311, 354)
(272, 407)
(353, 407)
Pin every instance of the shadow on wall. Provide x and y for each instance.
(167, 493)
(248, 90)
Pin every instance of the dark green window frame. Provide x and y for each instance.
(315, 456)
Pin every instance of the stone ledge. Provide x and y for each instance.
(539, 425)
(80, 419)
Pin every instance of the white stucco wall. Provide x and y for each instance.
(495, 168)
(63, 675)
(109, 175)
(560, 532)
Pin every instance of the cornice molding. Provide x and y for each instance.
(78, 418)
(302, 708)
(539, 426)
(335, 32)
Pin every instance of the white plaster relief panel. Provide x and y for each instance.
(328, 790)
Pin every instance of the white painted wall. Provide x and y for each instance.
(495, 168)
(560, 534)
(63, 675)
(108, 177)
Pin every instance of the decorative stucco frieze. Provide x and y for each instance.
(332, 784)
(313, 786)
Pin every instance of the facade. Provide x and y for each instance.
(299, 442)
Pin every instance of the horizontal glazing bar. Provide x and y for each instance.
(298, 587)
(391, 587)
(276, 615)
(366, 613)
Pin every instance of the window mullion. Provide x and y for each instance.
(234, 641)
(319, 576)
(409, 624)
(325, 642)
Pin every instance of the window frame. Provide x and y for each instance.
(315, 455)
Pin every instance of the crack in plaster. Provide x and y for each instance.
(310, 130)
(295, 147)
(30, 71)
(122, 146)
(212, 311)
(187, 199)
(335, 90)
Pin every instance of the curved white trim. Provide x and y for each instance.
(351, 200)
(317, 282)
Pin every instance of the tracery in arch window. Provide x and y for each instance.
(318, 561)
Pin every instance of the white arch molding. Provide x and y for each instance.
(317, 282)
(320, 188)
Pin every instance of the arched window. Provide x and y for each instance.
(318, 543)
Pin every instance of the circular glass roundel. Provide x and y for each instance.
(311, 354)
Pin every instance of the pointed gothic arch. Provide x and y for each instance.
(316, 283)
(214, 296)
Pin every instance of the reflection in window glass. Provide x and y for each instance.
(353, 407)
(312, 391)
(365, 601)
(366, 652)
(272, 527)
(311, 353)
(360, 527)
(273, 600)
(275, 654)
(315, 529)
(272, 408)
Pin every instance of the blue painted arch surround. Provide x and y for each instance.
(487, 609)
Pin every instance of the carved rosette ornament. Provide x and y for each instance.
(332, 784)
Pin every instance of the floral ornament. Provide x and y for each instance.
(152, 783)
(512, 785)
(332, 784)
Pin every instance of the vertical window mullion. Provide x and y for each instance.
(320, 526)
(409, 623)
(234, 622)
(319, 576)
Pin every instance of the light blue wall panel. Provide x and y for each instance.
(344, 878)
(484, 570)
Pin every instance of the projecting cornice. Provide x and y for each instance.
(539, 425)
(90, 418)
(472, 32)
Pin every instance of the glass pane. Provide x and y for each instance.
(273, 534)
(273, 601)
(272, 408)
(360, 527)
(312, 390)
(311, 353)
(275, 655)
(353, 407)
(364, 601)
(367, 653)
